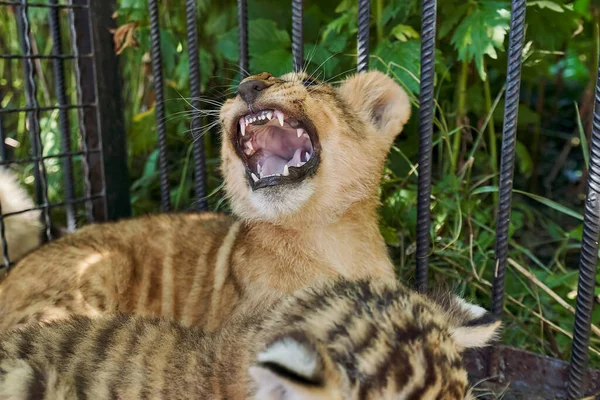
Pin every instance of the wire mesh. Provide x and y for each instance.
(507, 162)
(588, 263)
(426, 114)
(37, 154)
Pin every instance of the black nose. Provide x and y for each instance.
(250, 90)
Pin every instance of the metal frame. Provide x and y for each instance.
(104, 154)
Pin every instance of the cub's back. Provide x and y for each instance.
(148, 265)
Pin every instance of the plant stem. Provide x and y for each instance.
(461, 111)
(492, 134)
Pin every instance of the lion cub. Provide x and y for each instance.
(302, 161)
(367, 339)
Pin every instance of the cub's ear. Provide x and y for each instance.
(290, 367)
(378, 100)
(470, 324)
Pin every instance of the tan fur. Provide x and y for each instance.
(342, 340)
(199, 268)
(22, 231)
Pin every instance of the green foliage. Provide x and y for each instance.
(561, 50)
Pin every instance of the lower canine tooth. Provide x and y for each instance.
(299, 132)
(254, 177)
(307, 156)
(286, 170)
(248, 151)
(249, 145)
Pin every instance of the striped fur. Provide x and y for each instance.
(201, 268)
(343, 340)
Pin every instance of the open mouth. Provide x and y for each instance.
(276, 148)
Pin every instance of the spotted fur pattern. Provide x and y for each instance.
(343, 340)
(203, 268)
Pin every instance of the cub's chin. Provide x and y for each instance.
(278, 149)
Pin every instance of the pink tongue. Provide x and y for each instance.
(273, 164)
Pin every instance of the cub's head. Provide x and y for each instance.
(370, 340)
(295, 143)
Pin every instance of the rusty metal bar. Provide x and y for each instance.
(426, 115)
(507, 162)
(588, 262)
(157, 74)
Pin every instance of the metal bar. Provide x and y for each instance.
(89, 205)
(364, 20)
(243, 37)
(3, 152)
(34, 125)
(297, 34)
(49, 108)
(507, 162)
(160, 104)
(426, 115)
(54, 205)
(63, 117)
(42, 5)
(34, 159)
(198, 144)
(105, 124)
(43, 57)
(6, 260)
(588, 262)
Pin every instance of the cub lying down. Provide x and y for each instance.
(343, 340)
(302, 161)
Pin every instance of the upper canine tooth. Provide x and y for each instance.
(299, 131)
(254, 177)
(279, 116)
(270, 115)
(286, 170)
(307, 156)
(243, 126)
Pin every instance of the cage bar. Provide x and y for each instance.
(3, 153)
(198, 145)
(243, 37)
(63, 117)
(507, 162)
(426, 115)
(298, 34)
(588, 263)
(160, 103)
(39, 170)
(362, 39)
(5, 259)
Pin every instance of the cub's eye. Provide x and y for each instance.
(310, 82)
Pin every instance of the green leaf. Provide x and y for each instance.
(547, 202)
(546, 4)
(403, 59)
(583, 138)
(404, 32)
(481, 33)
(524, 160)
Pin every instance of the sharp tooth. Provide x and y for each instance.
(258, 168)
(247, 121)
(286, 170)
(279, 116)
(243, 126)
(254, 177)
(270, 115)
(307, 156)
(248, 151)
(299, 131)
(306, 135)
(249, 145)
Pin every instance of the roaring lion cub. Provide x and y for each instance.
(301, 160)
(346, 340)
